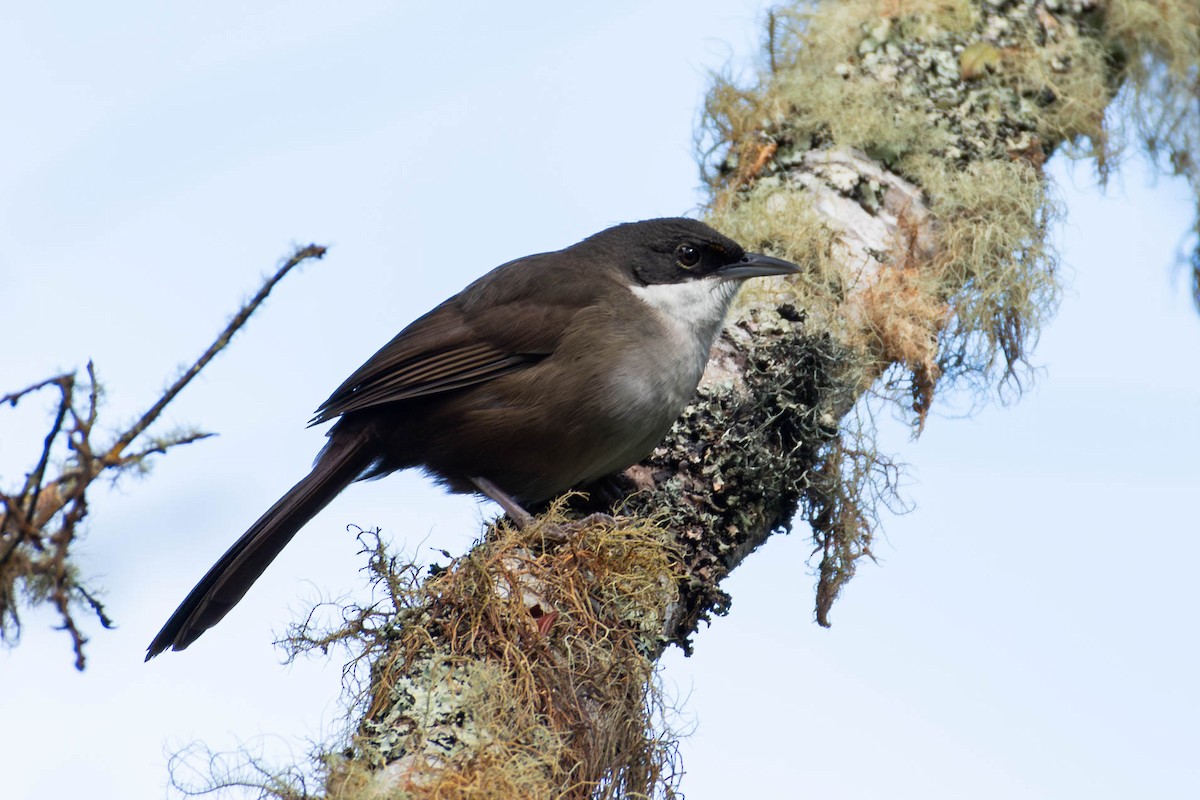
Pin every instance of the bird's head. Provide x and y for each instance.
(680, 250)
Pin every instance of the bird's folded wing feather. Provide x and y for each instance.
(486, 331)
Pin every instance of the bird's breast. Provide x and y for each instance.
(663, 347)
(686, 318)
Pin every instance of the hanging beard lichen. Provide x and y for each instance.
(953, 107)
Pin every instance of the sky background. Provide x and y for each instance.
(1029, 631)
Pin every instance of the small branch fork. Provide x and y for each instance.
(41, 520)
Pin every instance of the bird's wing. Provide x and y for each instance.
(509, 320)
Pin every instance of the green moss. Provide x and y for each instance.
(488, 677)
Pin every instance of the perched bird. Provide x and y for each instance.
(548, 373)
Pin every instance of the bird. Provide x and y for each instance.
(551, 372)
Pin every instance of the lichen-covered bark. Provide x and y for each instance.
(896, 149)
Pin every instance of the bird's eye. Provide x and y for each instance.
(687, 256)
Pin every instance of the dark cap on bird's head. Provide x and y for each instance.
(678, 249)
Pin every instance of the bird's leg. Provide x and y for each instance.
(523, 519)
(519, 515)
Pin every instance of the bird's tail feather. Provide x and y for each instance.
(236, 571)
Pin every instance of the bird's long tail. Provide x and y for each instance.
(342, 460)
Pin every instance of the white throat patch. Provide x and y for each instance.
(692, 313)
(696, 307)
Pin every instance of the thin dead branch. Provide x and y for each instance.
(41, 521)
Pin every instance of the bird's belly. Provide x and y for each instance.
(637, 405)
(537, 434)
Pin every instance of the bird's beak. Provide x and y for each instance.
(756, 265)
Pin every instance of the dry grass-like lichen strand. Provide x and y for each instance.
(848, 487)
(1162, 33)
(994, 267)
(524, 670)
(1158, 45)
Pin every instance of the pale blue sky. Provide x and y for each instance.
(1029, 632)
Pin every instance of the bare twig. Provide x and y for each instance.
(13, 397)
(35, 557)
(33, 482)
(239, 319)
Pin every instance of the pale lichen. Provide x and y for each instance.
(964, 101)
